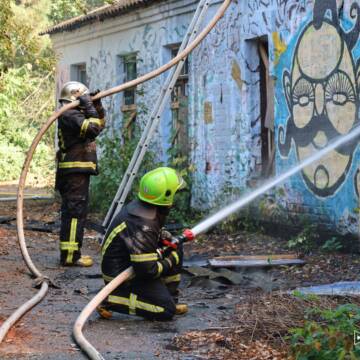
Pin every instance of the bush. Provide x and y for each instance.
(115, 156)
(114, 160)
(306, 241)
(327, 334)
(24, 105)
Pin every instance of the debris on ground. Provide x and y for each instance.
(215, 345)
(268, 317)
(233, 313)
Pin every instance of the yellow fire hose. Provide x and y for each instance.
(42, 280)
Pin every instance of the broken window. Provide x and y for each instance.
(130, 73)
(179, 109)
(78, 73)
(267, 111)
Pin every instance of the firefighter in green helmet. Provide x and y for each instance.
(134, 239)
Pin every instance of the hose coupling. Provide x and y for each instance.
(188, 235)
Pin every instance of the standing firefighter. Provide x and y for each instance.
(134, 239)
(77, 160)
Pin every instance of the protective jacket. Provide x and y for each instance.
(77, 130)
(132, 240)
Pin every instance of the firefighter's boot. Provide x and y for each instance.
(84, 261)
(181, 309)
(104, 312)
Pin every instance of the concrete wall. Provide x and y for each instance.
(314, 62)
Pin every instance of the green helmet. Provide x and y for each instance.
(159, 186)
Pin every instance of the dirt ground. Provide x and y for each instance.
(219, 325)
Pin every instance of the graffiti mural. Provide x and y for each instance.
(322, 96)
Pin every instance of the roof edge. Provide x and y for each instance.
(122, 7)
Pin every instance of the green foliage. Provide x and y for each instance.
(6, 15)
(65, 9)
(306, 241)
(332, 245)
(27, 65)
(20, 42)
(181, 212)
(61, 10)
(327, 334)
(272, 210)
(114, 160)
(309, 240)
(24, 105)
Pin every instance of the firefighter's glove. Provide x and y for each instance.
(165, 235)
(166, 240)
(161, 253)
(98, 105)
(87, 106)
(164, 251)
(173, 258)
(85, 101)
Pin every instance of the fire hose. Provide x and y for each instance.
(40, 279)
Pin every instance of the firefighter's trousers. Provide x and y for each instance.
(74, 191)
(152, 299)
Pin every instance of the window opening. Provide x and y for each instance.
(130, 73)
(78, 73)
(179, 109)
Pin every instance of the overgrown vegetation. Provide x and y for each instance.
(116, 153)
(310, 239)
(27, 66)
(65, 9)
(327, 334)
(26, 88)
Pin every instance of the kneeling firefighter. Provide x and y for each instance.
(76, 161)
(134, 239)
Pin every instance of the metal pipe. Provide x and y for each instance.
(20, 194)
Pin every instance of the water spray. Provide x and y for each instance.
(246, 199)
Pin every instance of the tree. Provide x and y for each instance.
(65, 9)
(19, 39)
(5, 39)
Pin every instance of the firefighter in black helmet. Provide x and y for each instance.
(76, 161)
(134, 239)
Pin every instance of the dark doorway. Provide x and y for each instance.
(266, 111)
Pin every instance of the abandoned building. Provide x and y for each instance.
(261, 93)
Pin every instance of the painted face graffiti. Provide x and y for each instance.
(322, 96)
